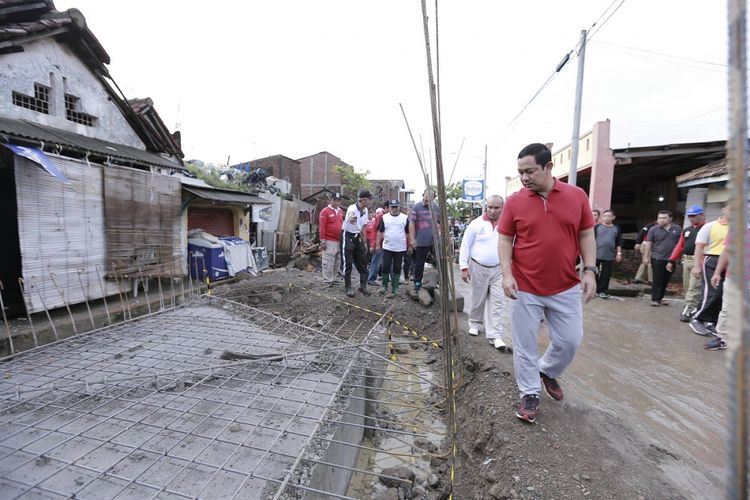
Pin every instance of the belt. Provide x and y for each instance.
(353, 235)
(480, 264)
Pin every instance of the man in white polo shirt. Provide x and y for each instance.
(354, 237)
(480, 265)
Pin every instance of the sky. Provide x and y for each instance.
(247, 79)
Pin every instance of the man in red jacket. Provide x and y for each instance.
(329, 225)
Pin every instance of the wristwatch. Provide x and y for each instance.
(593, 269)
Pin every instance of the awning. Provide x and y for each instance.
(225, 196)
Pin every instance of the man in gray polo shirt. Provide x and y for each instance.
(661, 240)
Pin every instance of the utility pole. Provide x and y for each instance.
(573, 175)
(484, 187)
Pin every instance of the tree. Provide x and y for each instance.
(352, 180)
(456, 206)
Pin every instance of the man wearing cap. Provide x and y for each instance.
(480, 266)
(329, 225)
(391, 242)
(355, 221)
(693, 285)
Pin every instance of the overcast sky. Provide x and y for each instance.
(255, 78)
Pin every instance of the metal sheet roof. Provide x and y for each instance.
(225, 196)
(35, 132)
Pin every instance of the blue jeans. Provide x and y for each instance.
(374, 266)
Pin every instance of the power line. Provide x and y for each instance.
(662, 54)
(723, 106)
(566, 57)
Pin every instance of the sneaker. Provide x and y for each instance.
(526, 411)
(716, 344)
(382, 291)
(417, 285)
(602, 295)
(712, 328)
(364, 291)
(349, 292)
(685, 315)
(372, 283)
(698, 327)
(551, 387)
(655, 303)
(473, 331)
(500, 345)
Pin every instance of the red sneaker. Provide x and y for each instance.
(551, 387)
(527, 409)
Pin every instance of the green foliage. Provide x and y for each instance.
(352, 180)
(212, 177)
(457, 207)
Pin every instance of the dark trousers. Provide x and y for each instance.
(392, 263)
(420, 257)
(354, 253)
(661, 279)
(605, 274)
(709, 310)
(407, 265)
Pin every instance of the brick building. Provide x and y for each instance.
(279, 166)
(316, 173)
(389, 189)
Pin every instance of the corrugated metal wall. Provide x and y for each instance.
(61, 231)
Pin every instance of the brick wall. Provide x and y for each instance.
(316, 173)
(282, 167)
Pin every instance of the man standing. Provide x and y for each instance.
(657, 247)
(480, 266)
(686, 249)
(608, 248)
(423, 216)
(354, 242)
(376, 256)
(708, 246)
(544, 227)
(392, 231)
(329, 227)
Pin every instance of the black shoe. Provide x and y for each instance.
(363, 290)
(700, 328)
(685, 315)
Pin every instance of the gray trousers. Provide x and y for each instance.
(564, 315)
(331, 257)
(486, 286)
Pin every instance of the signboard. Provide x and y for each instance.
(473, 189)
(37, 156)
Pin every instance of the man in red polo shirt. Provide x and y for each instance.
(543, 229)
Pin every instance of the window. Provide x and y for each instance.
(72, 113)
(40, 101)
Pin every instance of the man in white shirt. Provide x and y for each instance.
(480, 265)
(354, 237)
(391, 241)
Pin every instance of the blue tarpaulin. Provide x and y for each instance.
(37, 156)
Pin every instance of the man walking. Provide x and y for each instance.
(708, 246)
(480, 266)
(685, 248)
(329, 226)
(423, 216)
(608, 248)
(354, 242)
(544, 227)
(660, 241)
(391, 242)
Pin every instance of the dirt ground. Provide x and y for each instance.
(638, 419)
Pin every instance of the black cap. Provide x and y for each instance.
(394, 203)
(364, 194)
(335, 196)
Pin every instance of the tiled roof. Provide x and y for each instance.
(713, 169)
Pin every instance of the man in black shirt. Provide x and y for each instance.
(660, 241)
